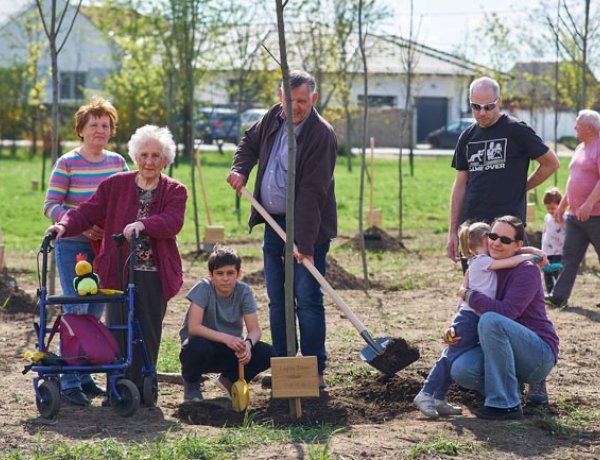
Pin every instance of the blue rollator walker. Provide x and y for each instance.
(124, 395)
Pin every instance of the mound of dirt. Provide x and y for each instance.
(372, 400)
(12, 298)
(335, 275)
(376, 239)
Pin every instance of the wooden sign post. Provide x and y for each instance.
(295, 377)
(374, 215)
(213, 234)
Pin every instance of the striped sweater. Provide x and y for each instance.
(74, 180)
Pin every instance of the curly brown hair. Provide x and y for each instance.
(97, 107)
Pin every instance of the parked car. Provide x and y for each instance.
(213, 123)
(446, 136)
(249, 117)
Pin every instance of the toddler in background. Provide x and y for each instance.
(553, 235)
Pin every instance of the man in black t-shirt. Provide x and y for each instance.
(492, 160)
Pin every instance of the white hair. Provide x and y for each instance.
(151, 132)
(486, 83)
(590, 118)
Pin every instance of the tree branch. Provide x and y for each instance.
(39, 6)
(58, 50)
(271, 54)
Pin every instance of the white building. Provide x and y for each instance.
(86, 58)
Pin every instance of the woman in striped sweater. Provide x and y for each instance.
(74, 179)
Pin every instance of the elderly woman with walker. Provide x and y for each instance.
(150, 205)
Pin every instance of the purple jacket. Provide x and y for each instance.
(520, 297)
(117, 202)
(315, 214)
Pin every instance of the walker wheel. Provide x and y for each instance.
(150, 391)
(49, 404)
(130, 398)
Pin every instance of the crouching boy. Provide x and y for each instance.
(212, 332)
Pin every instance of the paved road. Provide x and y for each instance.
(382, 152)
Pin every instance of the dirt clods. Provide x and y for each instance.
(334, 274)
(12, 298)
(377, 239)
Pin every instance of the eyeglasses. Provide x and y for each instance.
(487, 107)
(503, 239)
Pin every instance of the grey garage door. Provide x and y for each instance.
(432, 113)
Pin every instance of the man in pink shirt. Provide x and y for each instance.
(583, 200)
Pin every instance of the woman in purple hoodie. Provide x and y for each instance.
(517, 341)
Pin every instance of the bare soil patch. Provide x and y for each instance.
(335, 275)
(375, 413)
(12, 298)
(377, 239)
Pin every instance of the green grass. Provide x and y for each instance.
(168, 356)
(227, 444)
(426, 198)
(439, 445)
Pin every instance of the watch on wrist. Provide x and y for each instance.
(248, 339)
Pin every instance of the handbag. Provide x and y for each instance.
(84, 339)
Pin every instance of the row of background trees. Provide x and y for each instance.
(164, 53)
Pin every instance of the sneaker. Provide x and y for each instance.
(444, 408)
(75, 396)
(191, 391)
(555, 302)
(266, 381)
(224, 384)
(537, 395)
(426, 405)
(92, 389)
(322, 383)
(497, 413)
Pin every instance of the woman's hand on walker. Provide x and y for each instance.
(136, 227)
(58, 229)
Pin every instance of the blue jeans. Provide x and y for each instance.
(439, 379)
(578, 236)
(551, 277)
(66, 253)
(308, 298)
(509, 353)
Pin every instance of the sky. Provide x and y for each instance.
(449, 25)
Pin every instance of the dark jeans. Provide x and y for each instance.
(308, 297)
(200, 356)
(150, 309)
(439, 378)
(551, 277)
(578, 236)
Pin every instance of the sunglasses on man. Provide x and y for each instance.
(503, 239)
(487, 107)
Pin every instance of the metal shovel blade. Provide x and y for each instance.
(396, 354)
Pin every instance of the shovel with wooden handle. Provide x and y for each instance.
(388, 355)
(240, 396)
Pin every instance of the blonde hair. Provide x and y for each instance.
(471, 236)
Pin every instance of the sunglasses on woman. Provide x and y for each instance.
(503, 239)
(487, 107)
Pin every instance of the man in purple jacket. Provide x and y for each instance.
(315, 217)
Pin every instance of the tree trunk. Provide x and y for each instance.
(361, 193)
(584, 67)
(290, 323)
